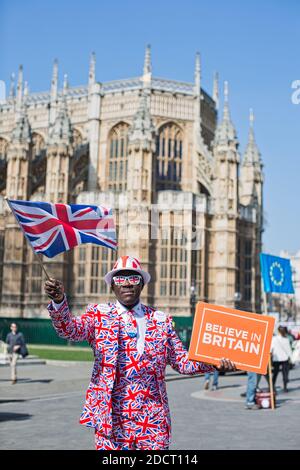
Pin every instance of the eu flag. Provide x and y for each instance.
(277, 274)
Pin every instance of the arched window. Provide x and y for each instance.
(38, 163)
(34, 277)
(169, 148)
(80, 164)
(3, 163)
(77, 138)
(117, 157)
(3, 148)
(37, 144)
(91, 264)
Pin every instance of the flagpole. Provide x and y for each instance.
(37, 256)
(270, 362)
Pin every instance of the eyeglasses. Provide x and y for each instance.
(133, 280)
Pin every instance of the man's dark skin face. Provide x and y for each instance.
(127, 294)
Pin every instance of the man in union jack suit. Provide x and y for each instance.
(126, 401)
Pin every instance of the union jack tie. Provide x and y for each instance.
(132, 325)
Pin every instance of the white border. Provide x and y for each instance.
(235, 315)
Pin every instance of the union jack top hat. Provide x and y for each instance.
(127, 263)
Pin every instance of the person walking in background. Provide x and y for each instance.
(250, 392)
(289, 336)
(259, 376)
(281, 356)
(257, 388)
(15, 344)
(215, 383)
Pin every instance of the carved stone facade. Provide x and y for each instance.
(152, 149)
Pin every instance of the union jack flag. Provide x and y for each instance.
(54, 228)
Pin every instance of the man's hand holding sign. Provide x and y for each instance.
(243, 337)
(225, 365)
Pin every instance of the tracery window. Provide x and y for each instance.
(169, 153)
(172, 267)
(118, 158)
(80, 164)
(77, 138)
(39, 163)
(3, 163)
(102, 261)
(92, 263)
(81, 269)
(3, 148)
(34, 275)
(248, 270)
(37, 145)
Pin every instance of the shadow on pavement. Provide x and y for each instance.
(222, 387)
(171, 377)
(14, 417)
(41, 381)
(12, 400)
(282, 401)
(294, 380)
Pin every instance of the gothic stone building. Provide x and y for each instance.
(154, 150)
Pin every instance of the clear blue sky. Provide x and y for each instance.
(252, 44)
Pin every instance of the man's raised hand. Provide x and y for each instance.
(226, 365)
(55, 290)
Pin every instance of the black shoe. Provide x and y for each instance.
(243, 394)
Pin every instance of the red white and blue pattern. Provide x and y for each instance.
(129, 264)
(54, 228)
(126, 401)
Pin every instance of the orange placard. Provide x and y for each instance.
(221, 332)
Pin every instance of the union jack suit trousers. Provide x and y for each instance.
(126, 401)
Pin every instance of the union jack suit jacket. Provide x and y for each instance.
(102, 326)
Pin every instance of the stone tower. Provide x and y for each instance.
(222, 249)
(251, 196)
(141, 178)
(17, 187)
(59, 156)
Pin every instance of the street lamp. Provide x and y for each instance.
(237, 298)
(192, 299)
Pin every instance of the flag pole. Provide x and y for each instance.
(37, 256)
(270, 362)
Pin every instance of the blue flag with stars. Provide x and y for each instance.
(277, 274)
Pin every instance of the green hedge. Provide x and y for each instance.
(35, 330)
(41, 331)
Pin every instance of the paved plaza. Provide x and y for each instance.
(42, 410)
